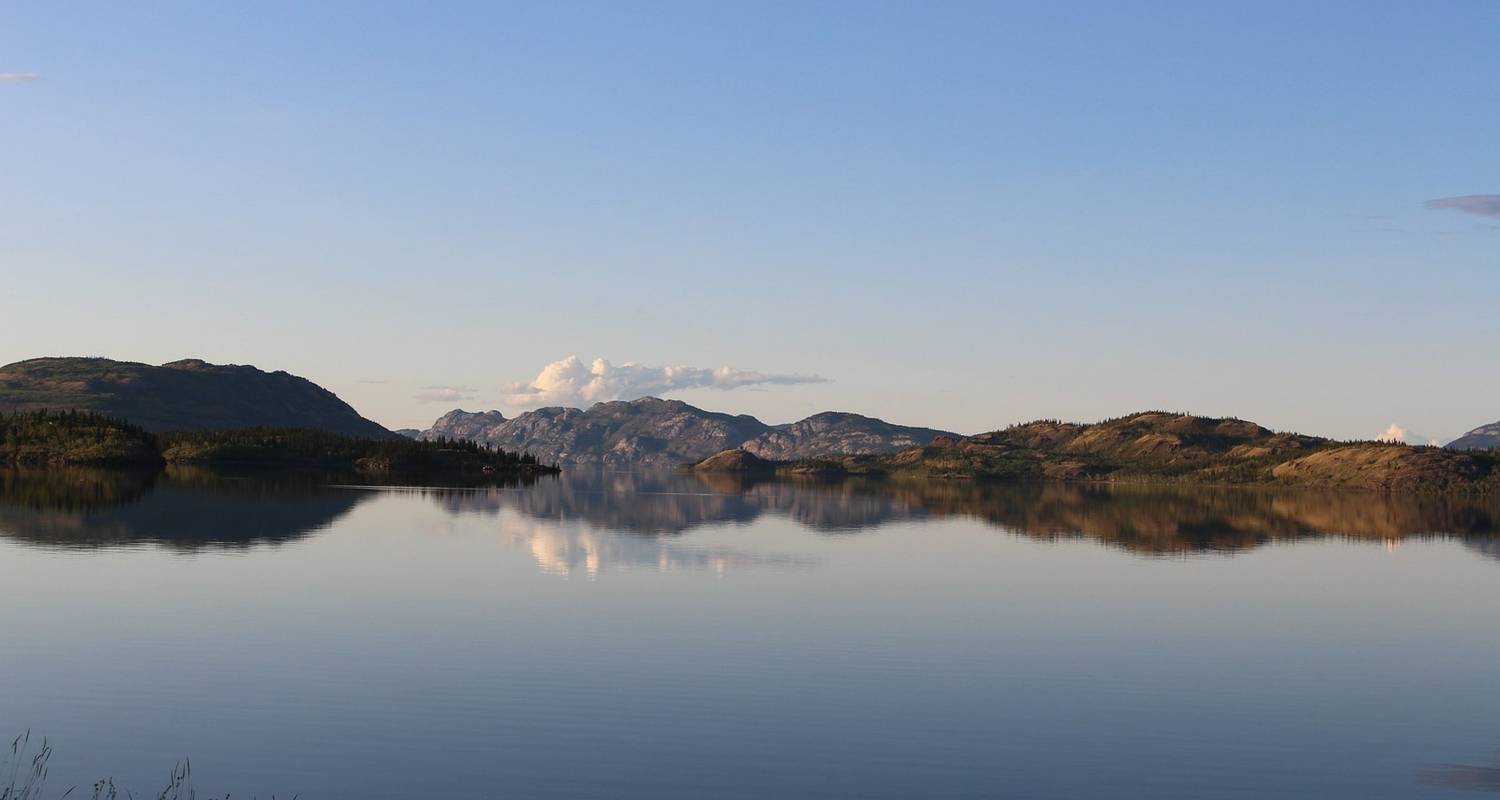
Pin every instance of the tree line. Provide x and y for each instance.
(87, 436)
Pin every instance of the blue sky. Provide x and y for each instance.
(962, 215)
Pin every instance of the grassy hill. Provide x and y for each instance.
(182, 395)
(1160, 447)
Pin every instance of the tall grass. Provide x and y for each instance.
(26, 772)
(28, 785)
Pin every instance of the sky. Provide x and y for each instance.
(948, 214)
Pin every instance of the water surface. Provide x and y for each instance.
(662, 636)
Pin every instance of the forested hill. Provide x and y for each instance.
(182, 395)
(70, 438)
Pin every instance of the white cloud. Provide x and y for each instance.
(443, 394)
(19, 77)
(570, 382)
(1395, 433)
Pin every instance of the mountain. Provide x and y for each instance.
(1484, 437)
(460, 424)
(835, 433)
(183, 395)
(1156, 447)
(646, 432)
(651, 432)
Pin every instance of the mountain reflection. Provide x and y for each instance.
(1138, 519)
(662, 503)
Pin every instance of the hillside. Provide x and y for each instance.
(651, 432)
(182, 395)
(1156, 447)
(1484, 437)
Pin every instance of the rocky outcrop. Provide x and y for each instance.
(460, 424)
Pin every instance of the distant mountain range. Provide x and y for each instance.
(1484, 437)
(651, 432)
(182, 395)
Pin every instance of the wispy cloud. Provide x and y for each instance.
(19, 77)
(443, 394)
(1484, 205)
(571, 382)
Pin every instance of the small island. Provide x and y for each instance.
(55, 438)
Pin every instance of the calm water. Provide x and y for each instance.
(638, 636)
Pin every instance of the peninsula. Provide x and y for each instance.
(55, 438)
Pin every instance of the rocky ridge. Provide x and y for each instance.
(656, 433)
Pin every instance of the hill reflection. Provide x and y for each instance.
(572, 524)
(182, 508)
(1169, 520)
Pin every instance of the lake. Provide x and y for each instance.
(666, 636)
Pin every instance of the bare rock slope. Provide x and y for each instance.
(656, 433)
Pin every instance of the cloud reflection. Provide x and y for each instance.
(575, 549)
